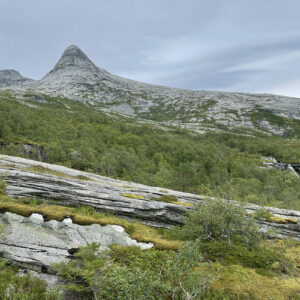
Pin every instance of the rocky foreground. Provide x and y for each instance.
(34, 243)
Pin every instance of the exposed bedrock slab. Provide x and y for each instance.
(106, 194)
(32, 243)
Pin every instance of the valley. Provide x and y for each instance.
(105, 179)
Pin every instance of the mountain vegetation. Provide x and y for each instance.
(76, 135)
(216, 144)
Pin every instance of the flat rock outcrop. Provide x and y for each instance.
(123, 198)
(32, 243)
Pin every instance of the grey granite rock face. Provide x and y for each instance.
(35, 244)
(11, 78)
(106, 194)
(101, 196)
(76, 77)
(74, 57)
(32, 243)
(271, 162)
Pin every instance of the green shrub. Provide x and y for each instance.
(16, 287)
(219, 220)
(83, 273)
(131, 273)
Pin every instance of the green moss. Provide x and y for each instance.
(167, 198)
(87, 216)
(238, 282)
(44, 170)
(2, 187)
(82, 177)
(133, 196)
(269, 217)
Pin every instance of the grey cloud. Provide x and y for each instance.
(249, 45)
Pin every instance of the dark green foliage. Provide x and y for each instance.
(131, 273)
(261, 258)
(82, 137)
(13, 286)
(215, 220)
(84, 271)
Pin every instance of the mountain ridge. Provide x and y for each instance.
(76, 77)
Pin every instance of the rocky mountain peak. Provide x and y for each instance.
(13, 77)
(73, 56)
(10, 74)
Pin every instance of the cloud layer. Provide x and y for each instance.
(233, 45)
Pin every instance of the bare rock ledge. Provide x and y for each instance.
(106, 194)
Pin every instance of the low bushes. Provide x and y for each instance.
(130, 273)
(13, 286)
(215, 220)
(264, 260)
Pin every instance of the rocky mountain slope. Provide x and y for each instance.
(76, 77)
(12, 78)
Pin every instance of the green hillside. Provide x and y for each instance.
(215, 164)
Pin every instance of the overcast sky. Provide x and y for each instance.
(231, 45)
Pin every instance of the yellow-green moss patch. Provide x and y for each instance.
(88, 216)
(244, 282)
(44, 170)
(172, 199)
(167, 198)
(269, 217)
(133, 196)
(290, 248)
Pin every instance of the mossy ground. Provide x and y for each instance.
(44, 170)
(246, 283)
(269, 217)
(133, 196)
(269, 272)
(172, 199)
(86, 216)
(164, 198)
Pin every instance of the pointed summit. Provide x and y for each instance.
(73, 56)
